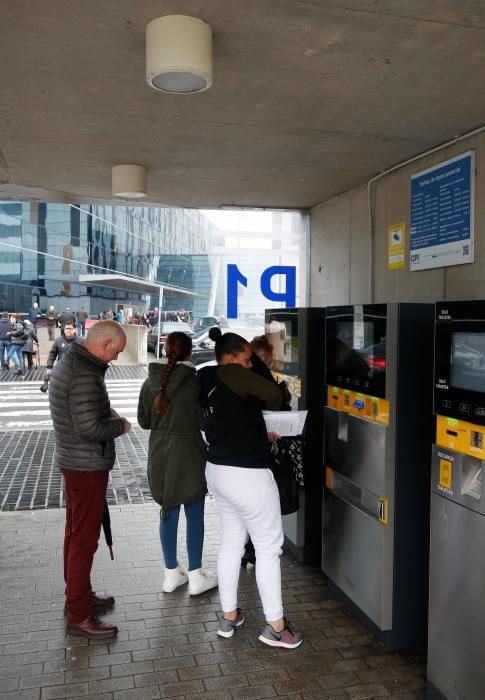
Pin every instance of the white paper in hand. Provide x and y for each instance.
(285, 423)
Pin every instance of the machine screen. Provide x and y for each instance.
(356, 353)
(468, 361)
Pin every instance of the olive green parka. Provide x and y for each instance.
(177, 454)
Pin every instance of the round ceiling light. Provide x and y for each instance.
(129, 181)
(179, 54)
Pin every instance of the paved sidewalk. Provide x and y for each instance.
(167, 646)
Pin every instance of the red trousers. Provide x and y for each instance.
(85, 495)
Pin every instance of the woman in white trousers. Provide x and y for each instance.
(243, 486)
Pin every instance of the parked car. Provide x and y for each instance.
(166, 328)
(465, 356)
(203, 346)
(202, 354)
(206, 322)
(375, 356)
(91, 320)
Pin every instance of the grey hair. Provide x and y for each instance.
(103, 330)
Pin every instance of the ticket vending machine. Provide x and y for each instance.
(296, 335)
(456, 667)
(378, 423)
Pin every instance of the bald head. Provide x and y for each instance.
(105, 340)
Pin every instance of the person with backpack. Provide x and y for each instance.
(239, 478)
(176, 460)
(17, 337)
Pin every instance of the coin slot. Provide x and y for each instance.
(343, 427)
(476, 439)
(452, 432)
(471, 477)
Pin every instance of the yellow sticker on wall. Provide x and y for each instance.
(396, 240)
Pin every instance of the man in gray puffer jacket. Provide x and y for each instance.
(85, 430)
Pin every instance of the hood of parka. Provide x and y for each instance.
(179, 374)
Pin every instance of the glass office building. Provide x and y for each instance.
(102, 256)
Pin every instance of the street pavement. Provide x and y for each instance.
(23, 405)
(28, 478)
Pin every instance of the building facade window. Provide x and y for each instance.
(47, 248)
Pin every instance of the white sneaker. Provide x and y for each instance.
(201, 581)
(173, 579)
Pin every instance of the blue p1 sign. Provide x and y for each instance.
(234, 277)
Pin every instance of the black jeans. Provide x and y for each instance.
(28, 362)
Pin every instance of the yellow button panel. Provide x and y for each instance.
(368, 407)
(461, 436)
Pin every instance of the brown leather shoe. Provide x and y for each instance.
(92, 628)
(99, 602)
(102, 601)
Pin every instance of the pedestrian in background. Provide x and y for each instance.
(34, 315)
(85, 429)
(28, 347)
(5, 329)
(17, 337)
(176, 460)
(61, 345)
(242, 484)
(67, 316)
(81, 317)
(52, 320)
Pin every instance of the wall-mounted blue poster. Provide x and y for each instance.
(442, 207)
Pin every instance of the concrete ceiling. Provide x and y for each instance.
(309, 99)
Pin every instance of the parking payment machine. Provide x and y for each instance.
(378, 423)
(456, 667)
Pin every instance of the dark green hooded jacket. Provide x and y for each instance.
(177, 453)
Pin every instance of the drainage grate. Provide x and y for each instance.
(29, 480)
(37, 375)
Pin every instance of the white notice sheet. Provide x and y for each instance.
(285, 423)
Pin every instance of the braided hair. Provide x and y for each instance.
(178, 347)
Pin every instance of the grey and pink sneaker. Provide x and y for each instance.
(227, 627)
(287, 638)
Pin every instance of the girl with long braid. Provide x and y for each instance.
(176, 460)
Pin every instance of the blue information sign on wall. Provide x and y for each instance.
(442, 206)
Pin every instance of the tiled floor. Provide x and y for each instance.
(167, 646)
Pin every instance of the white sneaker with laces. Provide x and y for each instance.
(201, 581)
(173, 579)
